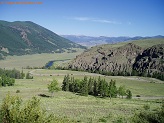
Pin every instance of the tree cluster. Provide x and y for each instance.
(96, 87)
(16, 74)
(6, 81)
(157, 75)
(12, 73)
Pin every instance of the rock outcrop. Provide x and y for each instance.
(107, 59)
(151, 60)
(124, 60)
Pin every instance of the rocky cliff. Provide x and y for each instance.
(107, 59)
(129, 59)
(151, 60)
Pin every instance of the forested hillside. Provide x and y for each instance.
(25, 37)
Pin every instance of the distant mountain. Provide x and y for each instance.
(25, 37)
(130, 58)
(93, 41)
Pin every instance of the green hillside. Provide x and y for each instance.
(145, 43)
(25, 37)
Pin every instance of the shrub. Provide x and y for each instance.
(146, 107)
(17, 91)
(13, 110)
(148, 116)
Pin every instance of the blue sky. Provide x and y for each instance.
(91, 17)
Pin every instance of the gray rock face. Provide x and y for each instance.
(151, 60)
(121, 59)
(107, 59)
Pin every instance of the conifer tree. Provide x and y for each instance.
(71, 84)
(95, 88)
(84, 87)
(90, 86)
(100, 86)
(112, 89)
(65, 86)
(105, 88)
(77, 85)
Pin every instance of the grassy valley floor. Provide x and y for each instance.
(88, 109)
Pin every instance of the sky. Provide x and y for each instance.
(90, 17)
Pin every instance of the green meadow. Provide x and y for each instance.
(36, 60)
(88, 108)
(84, 109)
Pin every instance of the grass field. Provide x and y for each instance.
(35, 60)
(88, 109)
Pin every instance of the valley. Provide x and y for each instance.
(88, 109)
(136, 66)
(145, 91)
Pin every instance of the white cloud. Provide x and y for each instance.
(82, 18)
(95, 20)
(107, 21)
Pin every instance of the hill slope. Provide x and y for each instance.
(122, 59)
(25, 37)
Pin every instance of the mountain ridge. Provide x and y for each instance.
(26, 37)
(93, 41)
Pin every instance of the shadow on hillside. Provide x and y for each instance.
(44, 95)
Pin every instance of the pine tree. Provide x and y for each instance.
(65, 86)
(105, 88)
(77, 86)
(90, 86)
(112, 89)
(84, 87)
(95, 88)
(101, 87)
(71, 84)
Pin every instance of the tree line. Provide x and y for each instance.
(7, 77)
(12, 73)
(157, 75)
(96, 87)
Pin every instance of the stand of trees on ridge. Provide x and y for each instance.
(96, 87)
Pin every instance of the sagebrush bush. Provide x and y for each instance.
(13, 110)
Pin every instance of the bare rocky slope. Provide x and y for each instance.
(129, 59)
(104, 59)
(151, 60)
